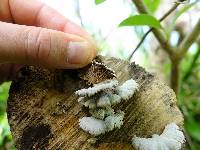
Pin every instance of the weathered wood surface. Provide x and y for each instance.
(43, 110)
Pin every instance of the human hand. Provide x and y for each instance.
(32, 33)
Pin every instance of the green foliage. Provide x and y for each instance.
(5, 135)
(3, 97)
(152, 5)
(192, 126)
(99, 1)
(189, 100)
(141, 20)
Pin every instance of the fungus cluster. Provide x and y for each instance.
(100, 100)
(171, 139)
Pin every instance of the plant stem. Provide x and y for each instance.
(175, 76)
(189, 40)
(140, 43)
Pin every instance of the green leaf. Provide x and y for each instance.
(99, 1)
(152, 5)
(141, 20)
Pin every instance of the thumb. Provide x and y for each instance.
(45, 47)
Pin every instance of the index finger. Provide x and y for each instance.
(36, 13)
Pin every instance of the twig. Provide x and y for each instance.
(188, 40)
(158, 34)
(161, 19)
(140, 43)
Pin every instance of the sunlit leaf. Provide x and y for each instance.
(4, 88)
(141, 20)
(152, 5)
(99, 1)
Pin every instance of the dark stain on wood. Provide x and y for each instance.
(35, 137)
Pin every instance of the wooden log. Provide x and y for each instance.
(43, 111)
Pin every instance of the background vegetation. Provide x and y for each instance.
(181, 73)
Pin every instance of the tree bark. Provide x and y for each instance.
(43, 110)
(175, 76)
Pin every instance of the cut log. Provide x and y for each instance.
(44, 113)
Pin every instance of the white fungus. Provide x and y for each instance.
(89, 103)
(81, 99)
(104, 118)
(100, 113)
(171, 139)
(114, 99)
(127, 89)
(97, 126)
(114, 121)
(92, 125)
(92, 104)
(103, 101)
(108, 84)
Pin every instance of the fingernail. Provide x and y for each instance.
(79, 53)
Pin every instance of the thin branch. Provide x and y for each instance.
(161, 19)
(158, 34)
(189, 40)
(140, 43)
(170, 11)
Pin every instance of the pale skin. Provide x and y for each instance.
(32, 33)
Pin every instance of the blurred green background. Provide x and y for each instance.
(6, 142)
(120, 42)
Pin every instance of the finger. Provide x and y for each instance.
(50, 48)
(36, 13)
(5, 14)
